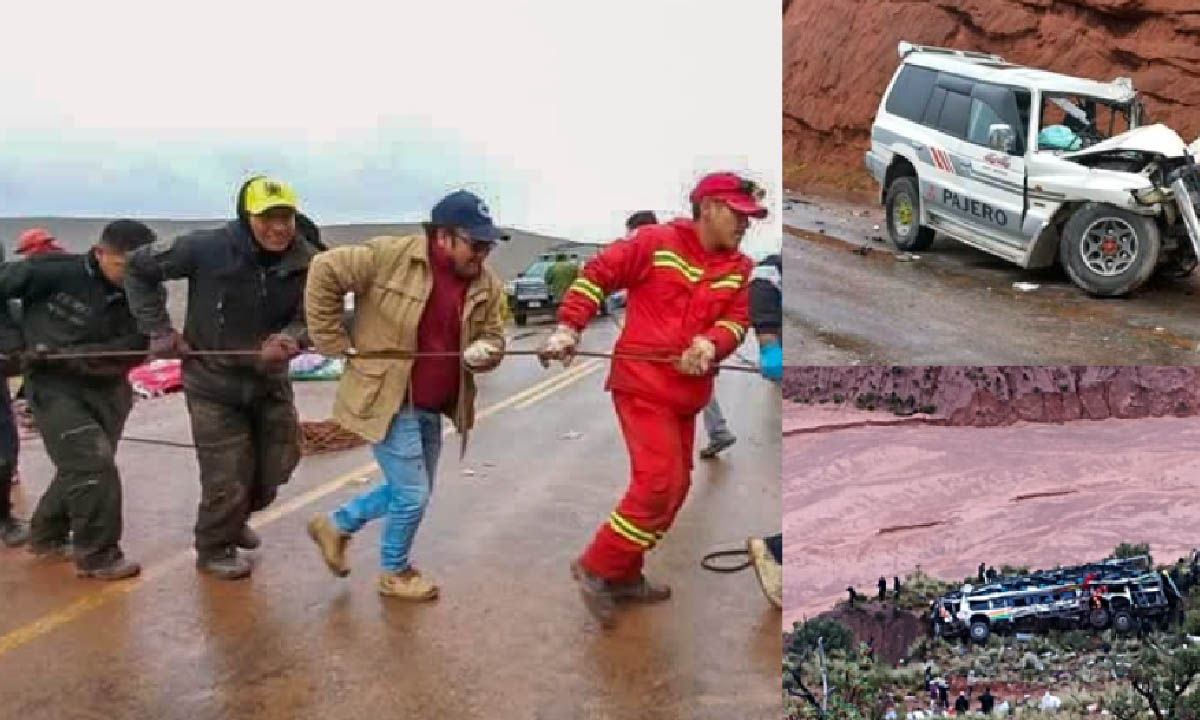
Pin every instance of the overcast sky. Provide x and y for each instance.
(565, 116)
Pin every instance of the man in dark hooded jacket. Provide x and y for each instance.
(245, 293)
(75, 304)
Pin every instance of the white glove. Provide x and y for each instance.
(559, 346)
(481, 355)
(697, 359)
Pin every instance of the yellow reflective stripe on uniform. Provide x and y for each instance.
(629, 531)
(728, 282)
(738, 331)
(668, 259)
(588, 289)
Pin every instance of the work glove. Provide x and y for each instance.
(168, 344)
(561, 346)
(697, 359)
(481, 356)
(276, 351)
(770, 361)
(34, 356)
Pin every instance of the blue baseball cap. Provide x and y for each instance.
(466, 210)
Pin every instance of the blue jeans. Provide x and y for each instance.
(408, 457)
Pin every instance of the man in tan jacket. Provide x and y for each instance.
(425, 294)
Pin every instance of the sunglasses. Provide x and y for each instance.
(478, 247)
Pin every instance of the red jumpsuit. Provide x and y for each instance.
(676, 291)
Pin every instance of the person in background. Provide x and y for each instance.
(38, 241)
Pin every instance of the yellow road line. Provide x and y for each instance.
(50, 621)
(584, 371)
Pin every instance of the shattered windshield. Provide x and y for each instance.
(1074, 122)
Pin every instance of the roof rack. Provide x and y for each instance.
(905, 48)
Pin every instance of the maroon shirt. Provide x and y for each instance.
(435, 379)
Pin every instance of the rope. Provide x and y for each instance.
(709, 561)
(375, 355)
(317, 437)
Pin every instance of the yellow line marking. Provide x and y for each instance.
(584, 371)
(45, 624)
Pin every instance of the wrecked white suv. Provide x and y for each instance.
(1033, 166)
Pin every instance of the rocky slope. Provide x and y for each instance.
(991, 396)
(839, 54)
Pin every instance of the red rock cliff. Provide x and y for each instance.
(991, 396)
(839, 54)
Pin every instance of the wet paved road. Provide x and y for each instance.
(848, 300)
(509, 637)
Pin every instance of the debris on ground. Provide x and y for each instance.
(468, 472)
(572, 435)
(1025, 286)
(325, 436)
(862, 250)
(875, 238)
(907, 257)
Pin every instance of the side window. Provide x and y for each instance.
(979, 605)
(983, 117)
(910, 93)
(934, 109)
(956, 112)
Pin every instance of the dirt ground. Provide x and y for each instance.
(863, 500)
(848, 300)
(508, 637)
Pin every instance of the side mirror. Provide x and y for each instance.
(1002, 138)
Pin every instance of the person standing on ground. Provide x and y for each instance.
(76, 304)
(961, 704)
(688, 303)
(559, 276)
(896, 586)
(245, 293)
(14, 531)
(882, 588)
(429, 294)
(987, 701)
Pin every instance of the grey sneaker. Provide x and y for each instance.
(597, 595)
(716, 444)
(225, 564)
(118, 568)
(640, 590)
(247, 539)
(14, 532)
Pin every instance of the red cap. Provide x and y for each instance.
(740, 194)
(35, 241)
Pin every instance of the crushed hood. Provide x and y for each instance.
(1157, 139)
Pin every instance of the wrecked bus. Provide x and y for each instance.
(1112, 593)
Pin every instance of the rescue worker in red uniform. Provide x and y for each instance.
(688, 304)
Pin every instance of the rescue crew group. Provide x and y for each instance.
(265, 281)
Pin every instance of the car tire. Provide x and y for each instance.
(1122, 621)
(980, 631)
(1098, 272)
(902, 194)
(1098, 618)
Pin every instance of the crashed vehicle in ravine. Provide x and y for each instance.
(1034, 167)
(1112, 593)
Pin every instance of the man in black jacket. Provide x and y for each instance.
(245, 292)
(76, 304)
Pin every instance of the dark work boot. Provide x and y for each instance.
(117, 567)
(640, 590)
(57, 551)
(14, 532)
(597, 595)
(225, 564)
(247, 539)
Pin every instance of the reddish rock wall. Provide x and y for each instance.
(839, 54)
(990, 396)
